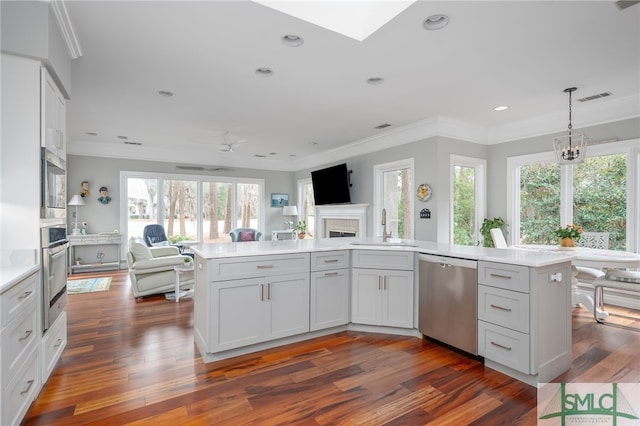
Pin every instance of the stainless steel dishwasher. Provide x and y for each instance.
(448, 301)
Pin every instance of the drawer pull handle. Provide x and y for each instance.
(29, 384)
(25, 295)
(331, 261)
(506, 277)
(26, 335)
(328, 274)
(58, 343)
(501, 308)
(265, 266)
(501, 346)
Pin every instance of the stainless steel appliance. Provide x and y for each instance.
(447, 301)
(53, 186)
(55, 247)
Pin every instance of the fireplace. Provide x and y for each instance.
(341, 220)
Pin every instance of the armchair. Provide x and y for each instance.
(151, 269)
(245, 234)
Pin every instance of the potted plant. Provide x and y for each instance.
(569, 235)
(301, 227)
(487, 226)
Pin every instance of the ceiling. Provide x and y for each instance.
(317, 106)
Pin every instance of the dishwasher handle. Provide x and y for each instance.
(448, 261)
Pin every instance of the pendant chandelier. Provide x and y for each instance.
(572, 148)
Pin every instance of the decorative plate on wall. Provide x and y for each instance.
(424, 192)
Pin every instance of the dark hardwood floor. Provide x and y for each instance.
(135, 362)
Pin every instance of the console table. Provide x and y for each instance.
(107, 239)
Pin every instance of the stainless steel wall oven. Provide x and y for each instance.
(53, 186)
(55, 247)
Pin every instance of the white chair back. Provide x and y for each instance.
(498, 238)
(597, 240)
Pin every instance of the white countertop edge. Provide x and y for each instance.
(12, 275)
(264, 248)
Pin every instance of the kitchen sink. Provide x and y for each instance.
(383, 244)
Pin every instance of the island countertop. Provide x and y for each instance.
(511, 256)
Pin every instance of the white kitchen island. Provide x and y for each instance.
(251, 296)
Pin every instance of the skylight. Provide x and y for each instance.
(355, 19)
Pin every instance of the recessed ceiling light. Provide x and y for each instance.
(435, 22)
(266, 72)
(375, 80)
(165, 93)
(501, 108)
(292, 40)
(91, 133)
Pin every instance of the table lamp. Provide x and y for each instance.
(76, 201)
(289, 211)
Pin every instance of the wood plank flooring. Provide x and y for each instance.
(132, 362)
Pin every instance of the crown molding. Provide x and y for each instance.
(66, 28)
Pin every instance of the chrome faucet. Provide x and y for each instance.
(385, 235)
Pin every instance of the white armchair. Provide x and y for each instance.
(151, 269)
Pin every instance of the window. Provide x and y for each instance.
(394, 193)
(600, 194)
(173, 201)
(306, 206)
(468, 199)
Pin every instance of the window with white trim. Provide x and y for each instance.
(393, 191)
(468, 199)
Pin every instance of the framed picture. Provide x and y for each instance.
(279, 200)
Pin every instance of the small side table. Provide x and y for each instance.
(179, 271)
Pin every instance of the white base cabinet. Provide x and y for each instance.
(329, 298)
(524, 319)
(258, 299)
(383, 295)
(19, 343)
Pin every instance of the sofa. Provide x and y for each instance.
(151, 269)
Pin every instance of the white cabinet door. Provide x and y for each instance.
(397, 307)
(366, 296)
(238, 314)
(54, 116)
(287, 305)
(382, 297)
(329, 299)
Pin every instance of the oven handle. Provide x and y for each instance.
(58, 251)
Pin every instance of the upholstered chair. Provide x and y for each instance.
(245, 234)
(152, 269)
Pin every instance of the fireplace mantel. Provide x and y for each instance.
(357, 212)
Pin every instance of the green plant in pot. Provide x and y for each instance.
(487, 226)
(301, 227)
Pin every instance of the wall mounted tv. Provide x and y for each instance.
(331, 185)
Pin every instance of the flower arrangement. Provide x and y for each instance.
(570, 231)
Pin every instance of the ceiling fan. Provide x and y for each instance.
(228, 146)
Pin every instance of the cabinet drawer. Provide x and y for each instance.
(509, 277)
(504, 308)
(322, 261)
(19, 296)
(18, 339)
(504, 346)
(379, 259)
(21, 391)
(53, 344)
(258, 266)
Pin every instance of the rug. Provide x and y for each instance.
(90, 285)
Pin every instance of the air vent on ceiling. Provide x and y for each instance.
(594, 97)
(132, 143)
(200, 168)
(382, 126)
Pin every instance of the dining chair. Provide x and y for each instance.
(598, 240)
(614, 279)
(498, 238)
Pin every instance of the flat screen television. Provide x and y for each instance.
(331, 185)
